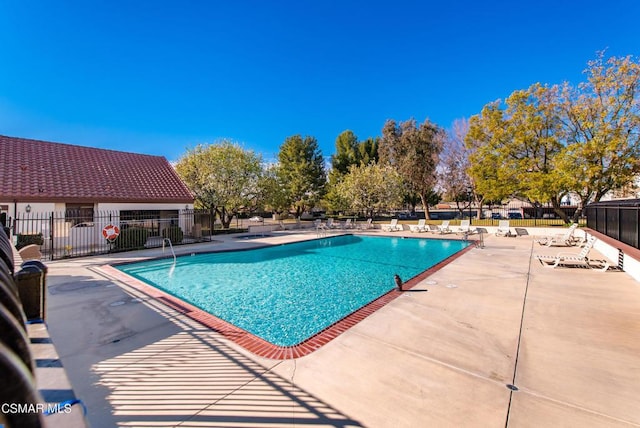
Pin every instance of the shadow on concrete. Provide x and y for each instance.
(136, 362)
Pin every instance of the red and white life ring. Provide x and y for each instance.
(110, 232)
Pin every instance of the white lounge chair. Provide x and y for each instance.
(571, 259)
(566, 239)
(392, 226)
(420, 227)
(366, 225)
(319, 225)
(347, 224)
(503, 228)
(444, 228)
(465, 228)
(330, 224)
(431, 228)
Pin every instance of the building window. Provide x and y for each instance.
(79, 213)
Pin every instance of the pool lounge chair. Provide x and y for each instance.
(393, 226)
(330, 224)
(576, 260)
(431, 228)
(444, 228)
(420, 227)
(319, 225)
(521, 231)
(347, 224)
(465, 228)
(503, 228)
(566, 239)
(366, 225)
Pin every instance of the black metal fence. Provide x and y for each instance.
(522, 214)
(617, 219)
(73, 234)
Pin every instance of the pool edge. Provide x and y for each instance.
(259, 346)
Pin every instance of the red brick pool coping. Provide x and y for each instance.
(260, 346)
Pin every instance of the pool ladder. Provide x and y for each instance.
(170, 246)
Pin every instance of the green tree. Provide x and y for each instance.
(370, 188)
(349, 152)
(346, 153)
(602, 119)
(302, 172)
(486, 131)
(514, 149)
(414, 152)
(368, 151)
(274, 191)
(223, 177)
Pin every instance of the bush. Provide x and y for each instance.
(174, 233)
(131, 238)
(24, 240)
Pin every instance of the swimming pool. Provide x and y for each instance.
(287, 293)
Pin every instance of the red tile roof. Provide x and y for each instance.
(32, 171)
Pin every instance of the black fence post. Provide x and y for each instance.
(51, 235)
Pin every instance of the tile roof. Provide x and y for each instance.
(32, 170)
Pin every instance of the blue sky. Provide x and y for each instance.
(157, 77)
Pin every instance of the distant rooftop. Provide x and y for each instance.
(42, 171)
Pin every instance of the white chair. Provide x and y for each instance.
(465, 228)
(392, 226)
(366, 225)
(444, 228)
(420, 227)
(566, 239)
(503, 228)
(571, 259)
(431, 228)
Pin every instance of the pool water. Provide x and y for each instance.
(287, 293)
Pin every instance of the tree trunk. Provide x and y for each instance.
(425, 205)
(555, 203)
(479, 204)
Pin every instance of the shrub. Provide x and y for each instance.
(131, 238)
(174, 233)
(24, 240)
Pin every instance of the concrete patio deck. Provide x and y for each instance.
(566, 338)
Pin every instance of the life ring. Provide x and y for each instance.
(110, 232)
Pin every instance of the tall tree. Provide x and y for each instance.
(224, 178)
(368, 150)
(346, 153)
(275, 197)
(370, 188)
(349, 152)
(302, 172)
(515, 148)
(602, 119)
(414, 152)
(454, 177)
